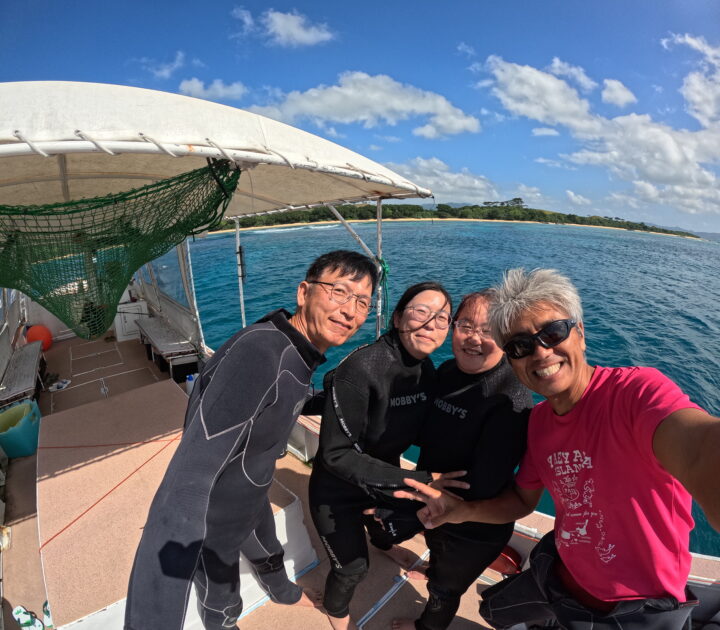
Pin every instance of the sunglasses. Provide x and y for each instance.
(553, 334)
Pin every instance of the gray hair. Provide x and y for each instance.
(521, 292)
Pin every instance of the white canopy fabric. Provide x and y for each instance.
(62, 141)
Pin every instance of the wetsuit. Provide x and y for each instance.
(478, 423)
(376, 400)
(212, 503)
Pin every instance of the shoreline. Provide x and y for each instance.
(335, 221)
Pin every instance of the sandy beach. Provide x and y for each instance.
(305, 223)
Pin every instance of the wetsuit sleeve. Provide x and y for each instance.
(344, 425)
(498, 451)
(315, 404)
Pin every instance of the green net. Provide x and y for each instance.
(77, 258)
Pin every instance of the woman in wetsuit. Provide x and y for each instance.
(478, 422)
(375, 403)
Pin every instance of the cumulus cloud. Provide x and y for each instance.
(294, 29)
(661, 165)
(217, 90)
(701, 88)
(447, 185)
(163, 70)
(616, 93)
(545, 131)
(276, 28)
(527, 91)
(577, 199)
(575, 73)
(371, 100)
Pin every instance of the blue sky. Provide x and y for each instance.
(605, 107)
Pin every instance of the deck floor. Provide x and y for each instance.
(98, 370)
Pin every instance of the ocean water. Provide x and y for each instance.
(649, 300)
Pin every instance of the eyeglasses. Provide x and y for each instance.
(423, 313)
(340, 294)
(465, 327)
(553, 334)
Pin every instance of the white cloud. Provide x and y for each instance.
(164, 70)
(375, 147)
(466, 49)
(372, 100)
(246, 19)
(545, 131)
(527, 91)
(577, 199)
(616, 93)
(217, 90)
(293, 29)
(446, 185)
(389, 138)
(289, 30)
(575, 73)
(678, 168)
(531, 195)
(701, 89)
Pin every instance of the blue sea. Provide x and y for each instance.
(649, 299)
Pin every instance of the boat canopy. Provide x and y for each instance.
(96, 180)
(71, 140)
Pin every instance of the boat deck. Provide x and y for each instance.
(104, 444)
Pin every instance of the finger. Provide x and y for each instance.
(422, 488)
(370, 511)
(454, 474)
(455, 484)
(452, 494)
(404, 494)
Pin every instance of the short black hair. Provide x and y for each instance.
(412, 291)
(347, 262)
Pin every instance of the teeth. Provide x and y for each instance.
(472, 352)
(548, 371)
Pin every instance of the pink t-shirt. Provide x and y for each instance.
(622, 524)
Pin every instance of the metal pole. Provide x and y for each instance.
(353, 233)
(240, 271)
(189, 282)
(379, 324)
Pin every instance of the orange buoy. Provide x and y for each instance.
(40, 333)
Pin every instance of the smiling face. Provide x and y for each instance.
(475, 352)
(560, 374)
(325, 322)
(421, 339)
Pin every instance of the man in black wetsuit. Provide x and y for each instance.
(212, 503)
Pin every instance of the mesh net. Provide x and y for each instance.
(77, 258)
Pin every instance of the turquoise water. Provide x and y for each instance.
(648, 299)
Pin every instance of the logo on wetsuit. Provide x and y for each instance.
(450, 409)
(410, 399)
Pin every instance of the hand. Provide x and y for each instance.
(443, 481)
(440, 507)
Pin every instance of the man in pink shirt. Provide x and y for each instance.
(622, 452)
